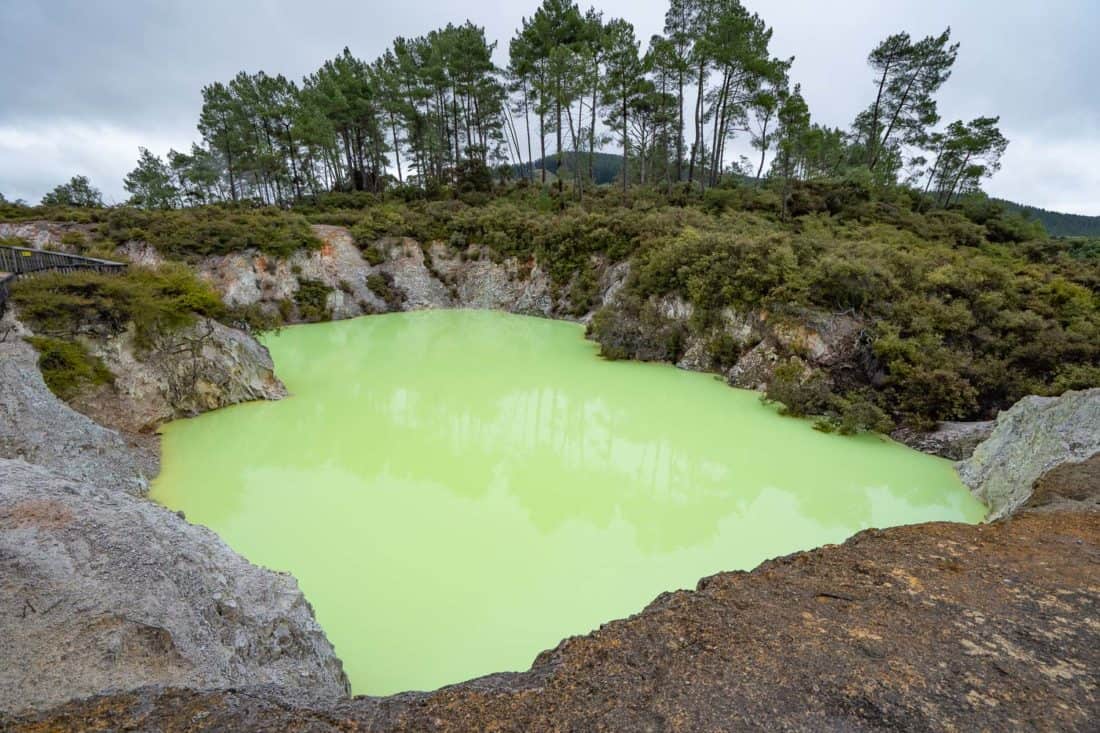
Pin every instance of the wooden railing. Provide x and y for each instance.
(16, 261)
(5, 287)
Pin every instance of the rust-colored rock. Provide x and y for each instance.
(929, 627)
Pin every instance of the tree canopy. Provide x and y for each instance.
(436, 112)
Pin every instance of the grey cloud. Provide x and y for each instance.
(134, 70)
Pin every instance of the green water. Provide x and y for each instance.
(459, 490)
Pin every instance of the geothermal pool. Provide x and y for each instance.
(458, 490)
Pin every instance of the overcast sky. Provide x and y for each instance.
(85, 82)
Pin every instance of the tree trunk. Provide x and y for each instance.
(396, 149)
(872, 136)
(527, 124)
(592, 125)
(626, 144)
(763, 150)
(542, 145)
(695, 152)
(897, 113)
(680, 125)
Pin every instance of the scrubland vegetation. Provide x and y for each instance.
(967, 309)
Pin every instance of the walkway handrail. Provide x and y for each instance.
(15, 261)
(21, 260)
(5, 287)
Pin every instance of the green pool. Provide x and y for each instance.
(459, 490)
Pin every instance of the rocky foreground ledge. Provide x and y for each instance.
(929, 627)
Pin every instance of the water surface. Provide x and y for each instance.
(458, 490)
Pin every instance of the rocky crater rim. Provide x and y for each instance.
(1026, 457)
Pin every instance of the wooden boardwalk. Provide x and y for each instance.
(20, 261)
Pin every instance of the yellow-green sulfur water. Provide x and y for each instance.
(459, 490)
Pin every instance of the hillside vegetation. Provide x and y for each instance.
(966, 309)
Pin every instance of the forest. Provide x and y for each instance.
(434, 114)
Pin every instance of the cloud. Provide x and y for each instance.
(121, 74)
(1057, 174)
(35, 159)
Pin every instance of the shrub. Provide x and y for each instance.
(75, 240)
(188, 234)
(858, 414)
(799, 391)
(723, 351)
(637, 330)
(373, 255)
(67, 367)
(382, 285)
(312, 300)
(155, 300)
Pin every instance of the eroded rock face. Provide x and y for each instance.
(929, 627)
(952, 440)
(44, 234)
(407, 265)
(432, 276)
(184, 373)
(1035, 437)
(478, 281)
(745, 347)
(100, 590)
(37, 427)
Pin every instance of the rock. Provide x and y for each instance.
(100, 590)
(444, 278)
(184, 373)
(45, 234)
(1035, 437)
(939, 626)
(820, 339)
(1073, 481)
(405, 262)
(478, 281)
(612, 280)
(37, 427)
(953, 440)
(253, 278)
(755, 367)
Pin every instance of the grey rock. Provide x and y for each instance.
(755, 367)
(44, 234)
(477, 280)
(100, 590)
(1034, 437)
(955, 441)
(184, 373)
(39, 428)
(406, 263)
(252, 278)
(435, 276)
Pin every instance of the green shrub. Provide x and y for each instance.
(312, 300)
(799, 391)
(155, 300)
(858, 414)
(67, 367)
(723, 351)
(382, 285)
(189, 234)
(373, 255)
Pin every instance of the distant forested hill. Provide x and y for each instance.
(606, 170)
(605, 165)
(1056, 223)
